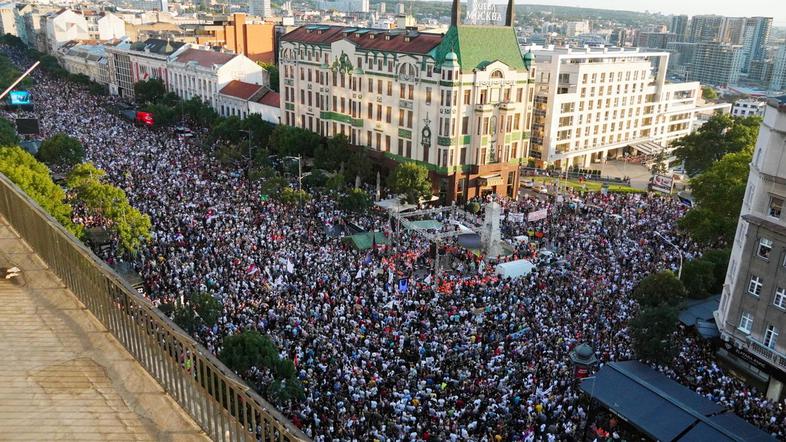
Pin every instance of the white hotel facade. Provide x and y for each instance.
(596, 103)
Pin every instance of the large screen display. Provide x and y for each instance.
(27, 126)
(19, 98)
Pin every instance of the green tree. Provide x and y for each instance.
(659, 288)
(411, 180)
(473, 207)
(291, 141)
(698, 277)
(652, 331)
(150, 91)
(333, 154)
(200, 112)
(273, 185)
(202, 309)
(718, 193)
(61, 150)
(33, 178)
(358, 164)
(708, 93)
(659, 164)
(336, 183)
(292, 196)
(249, 349)
(131, 226)
(720, 135)
(355, 200)
(719, 258)
(272, 69)
(8, 135)
(163, 115)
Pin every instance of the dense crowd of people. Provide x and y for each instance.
(454, 355)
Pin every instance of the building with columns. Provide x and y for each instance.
(752, 310)
(459, 103)
(594, 103)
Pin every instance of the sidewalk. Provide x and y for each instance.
(62, 376)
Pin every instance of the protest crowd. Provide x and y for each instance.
(457, 356)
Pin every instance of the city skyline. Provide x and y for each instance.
(674, 7)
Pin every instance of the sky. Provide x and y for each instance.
(732, 8)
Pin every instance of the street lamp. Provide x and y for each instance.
(248, 152)
(679, 272)
(299, 170)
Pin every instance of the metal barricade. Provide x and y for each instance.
(220, 402)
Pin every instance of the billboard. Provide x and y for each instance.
(662, 183)
(19, 98)
(27, 126)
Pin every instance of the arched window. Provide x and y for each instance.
(497, 74)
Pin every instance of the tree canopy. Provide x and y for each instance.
(33, 178)
(708, 93)
(720, 135)
(653, 333)
(659, 288)
(249, 349)
(8, 135)
(718, 193)
(61, 150)
(150, 91)
(131, 226)
(355, 200)
(272, 69)
(411, 180)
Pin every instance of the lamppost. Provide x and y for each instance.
(248, 151)
(679, 272)
(299, 170)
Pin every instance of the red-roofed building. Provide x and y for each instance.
(240, 99)
(203, 73)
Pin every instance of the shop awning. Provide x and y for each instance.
(490, 180)
(663, 409)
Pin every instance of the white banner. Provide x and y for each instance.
(537, 215)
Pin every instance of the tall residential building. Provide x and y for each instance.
(705, 28)
(679, 27)
(459, 103)
(260, 8)
(752, 310)
(347, 6)
(778, 76)
(733, 30)
(574, 28)
(256, 41)
(716, 63)
(654, 40)
(757, 32)
(594, 103)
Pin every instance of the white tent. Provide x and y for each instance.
(395, 205)
(514, 269)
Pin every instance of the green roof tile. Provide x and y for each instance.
(478, 46)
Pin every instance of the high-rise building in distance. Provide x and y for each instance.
(679, 27)
(705, 28)
(757, 32)
(716, 63)
(260, 8)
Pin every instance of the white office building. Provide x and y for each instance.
(592, 103)
(260, 8)
(748, 107)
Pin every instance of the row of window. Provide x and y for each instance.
(770, 333)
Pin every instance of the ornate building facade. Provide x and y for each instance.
(458, 103)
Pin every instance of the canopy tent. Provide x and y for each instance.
(394, 205)
(698, 313)
(426, 224)
(514, 269)
(663, 409)
(366, 240)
